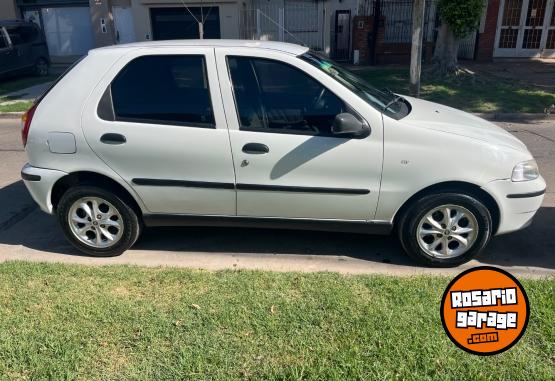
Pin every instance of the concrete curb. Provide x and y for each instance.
(514, 116)
(11, 115)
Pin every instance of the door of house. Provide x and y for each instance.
(342, 35)
(123, 21)
(525, 28)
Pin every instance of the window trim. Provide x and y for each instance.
(110, 115)
(269, 130)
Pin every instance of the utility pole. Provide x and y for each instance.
(416, 49)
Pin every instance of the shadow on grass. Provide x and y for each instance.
(36, 230)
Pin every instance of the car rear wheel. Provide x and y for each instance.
(445, 230)
(97, 222)
(41, 67)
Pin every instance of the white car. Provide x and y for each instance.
(266, 134)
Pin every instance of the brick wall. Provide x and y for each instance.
(385, 52)
(362, 27)
(486, 40)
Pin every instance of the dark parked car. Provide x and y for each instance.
(22, 48)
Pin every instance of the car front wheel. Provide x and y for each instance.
(445, 230)
(97, 222)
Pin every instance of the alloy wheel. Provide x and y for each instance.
(95, 222)
(447, 231)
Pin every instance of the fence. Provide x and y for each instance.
(288, 21)
(397, 18)
(302, 22)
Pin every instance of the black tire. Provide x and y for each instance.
(132, 225)
(41, 67)
(408, 228)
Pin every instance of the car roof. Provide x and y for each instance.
(270, 45)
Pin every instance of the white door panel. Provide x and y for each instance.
(187, 169)
(336, 178)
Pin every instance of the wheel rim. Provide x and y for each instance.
(95, 222)
(447, 231)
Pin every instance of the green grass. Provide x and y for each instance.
(473, 93)
(126, 323)
(15, 107)
(11, 85)
(16, 84)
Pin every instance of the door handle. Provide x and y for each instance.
(111, 138)
(256, 148)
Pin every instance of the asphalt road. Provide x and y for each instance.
(26, 233)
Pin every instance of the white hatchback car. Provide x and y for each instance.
(266, 134)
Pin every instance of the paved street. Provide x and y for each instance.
(26, 233)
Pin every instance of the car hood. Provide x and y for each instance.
(447, 119)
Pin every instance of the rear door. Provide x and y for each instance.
(157, 120)
(8, 55)
(22, 37)
(288, 163)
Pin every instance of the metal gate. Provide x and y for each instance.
(296, 21)
(396, 18)
(525, 28)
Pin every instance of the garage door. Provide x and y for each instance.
(68, 30)
(182, 23)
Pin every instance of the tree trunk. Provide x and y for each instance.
(446, 50)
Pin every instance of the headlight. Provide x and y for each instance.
(525, 171)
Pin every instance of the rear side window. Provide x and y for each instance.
(164, 90)
(22, 34)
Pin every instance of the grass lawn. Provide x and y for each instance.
(478, 93)
(10, 85)
(13, 107)
(128, 323)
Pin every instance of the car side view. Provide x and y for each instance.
(266, 134)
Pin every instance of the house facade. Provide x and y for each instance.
(372, 30)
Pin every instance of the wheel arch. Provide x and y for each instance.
(94, 179)
(455, 186)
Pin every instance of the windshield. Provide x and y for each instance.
(384, 101)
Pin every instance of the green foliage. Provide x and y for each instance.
(461, 15)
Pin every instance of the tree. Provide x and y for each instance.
(458, 19)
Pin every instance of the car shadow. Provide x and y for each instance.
(33, 229)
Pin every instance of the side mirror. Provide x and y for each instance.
(348, 125)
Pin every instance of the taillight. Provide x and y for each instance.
(26, 121)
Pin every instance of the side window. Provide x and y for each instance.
(272, 96)
(15, 36)
(28, 34)
(3, 42)
(164, 90)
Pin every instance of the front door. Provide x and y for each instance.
(164, 132)
(526, 28)
(125, 29)
(288, 163)
(8, 55)
(342, 35)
